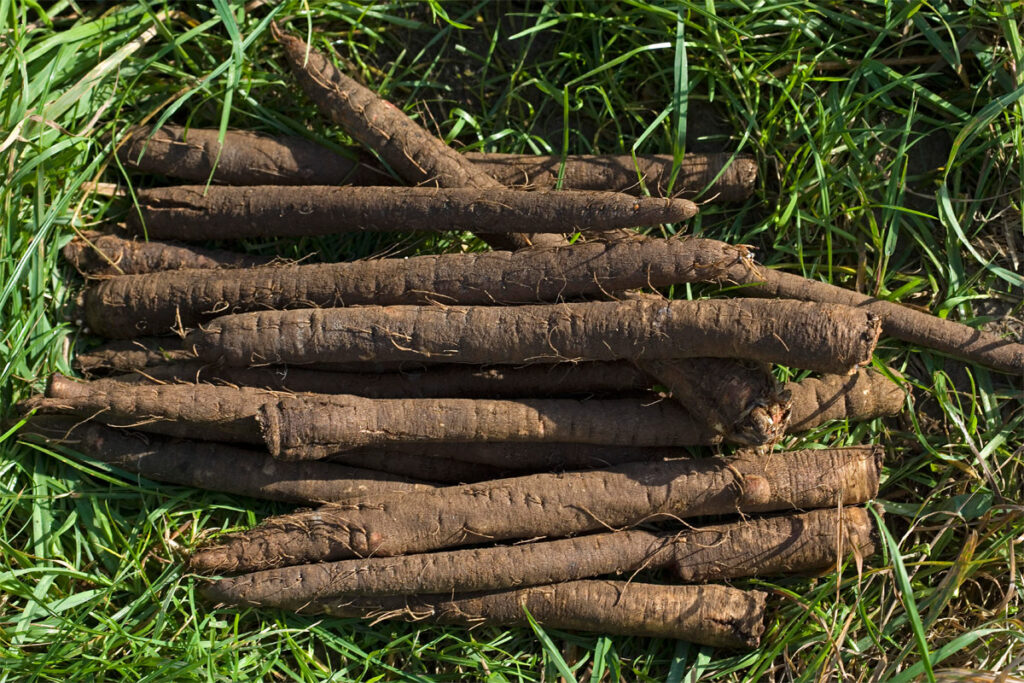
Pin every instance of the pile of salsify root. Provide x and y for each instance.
(487, 435)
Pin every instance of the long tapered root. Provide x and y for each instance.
(161, 302)
(552, 505)
(711, 615)
(217, 466)
(311, 427)
(785, 544)
(898, 321)
(505, 381)
(864, 395)
(418, 156)
(98, 255)
(194, 212)
(821, 337)
(247, 158)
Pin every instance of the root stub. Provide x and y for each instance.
(709, 615)
(821, 337)
(134, 354)
(194, 212)
(785, 544)
(550, 505)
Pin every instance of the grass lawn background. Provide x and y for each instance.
(889, 137)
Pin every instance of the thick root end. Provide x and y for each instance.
(220, 591)
(765, 423)
(60, 386)
(269, 419)
(72, 253)
(751, 626)
(213, 560)
(872, 466)
(860, 533)
(871, 336)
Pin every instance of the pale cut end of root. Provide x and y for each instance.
(861, 534)
(75, 312)
(61, 386)
(872, 465)
(754, 620)
(756, 490)
(871, 336)
(745, 171)
(688, 208)
(269, 419)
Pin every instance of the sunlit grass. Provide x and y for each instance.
(881, 171)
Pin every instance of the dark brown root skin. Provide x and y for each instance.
(738, 399)
(866, 395)
(417, 156)
(181, 410)
(217, 466)
(820, 337)
(148, 354)
(161, 302)
(255, 159)
(227, 413)
(447, 472)
(132, 354)
(528, 381)
(710, 615)
(781, 545)
(863, 396)
(315, 426)
(786, 544)
(244, 159)
(551, 505)
(902, 322)
(97, 255)
(736, 175)
(413, 152)
(197, 212)
(513, 457)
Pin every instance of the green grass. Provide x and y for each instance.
(901, 180)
